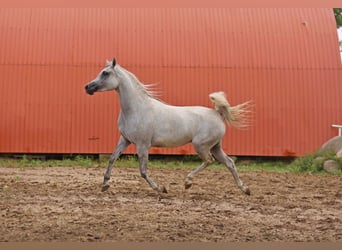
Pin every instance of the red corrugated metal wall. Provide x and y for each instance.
(285, 60)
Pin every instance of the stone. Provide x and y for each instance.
(318, 160)
(334, 144)
(331, 166)
(339, 154)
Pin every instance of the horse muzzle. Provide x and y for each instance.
(91, 88)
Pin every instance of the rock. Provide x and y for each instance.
(318, 160)
(339, 154)
(334, 144)
(331, 166)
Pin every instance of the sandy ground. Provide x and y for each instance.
(66, 204)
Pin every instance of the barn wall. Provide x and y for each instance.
(285, 60)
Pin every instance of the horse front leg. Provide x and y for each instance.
(122, 145)
(143, 159)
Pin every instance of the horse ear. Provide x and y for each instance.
(114, 62)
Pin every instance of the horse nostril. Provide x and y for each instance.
(90, 88)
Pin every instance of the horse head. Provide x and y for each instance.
(106, 80)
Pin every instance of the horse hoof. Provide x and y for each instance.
(247, 191)
(163, 190)
(104, 187)
(187, 185)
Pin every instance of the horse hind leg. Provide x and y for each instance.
(207, 158)
(220, 156)
(190, 176)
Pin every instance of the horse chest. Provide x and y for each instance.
(134, 128)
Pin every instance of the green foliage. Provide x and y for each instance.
(338, 17)
(27, 161)
(304, 163)
(270, 166)
(313, 163)
(83, 160)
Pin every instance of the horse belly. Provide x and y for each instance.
(171, 134)
(170, 140)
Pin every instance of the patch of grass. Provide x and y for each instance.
(272, 166)
(305, 164)
(158, 162)
(26, 161)
(79, 160)
(313, 163)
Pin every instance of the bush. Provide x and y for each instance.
(313, 163)
(304, 163)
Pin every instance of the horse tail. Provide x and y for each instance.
(236, 116)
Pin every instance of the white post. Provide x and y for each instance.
(339, 129)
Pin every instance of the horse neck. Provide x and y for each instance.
(132, 98)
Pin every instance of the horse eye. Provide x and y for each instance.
(105, 73)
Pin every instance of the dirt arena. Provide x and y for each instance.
(66, 204)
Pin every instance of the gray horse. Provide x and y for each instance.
(148, 122)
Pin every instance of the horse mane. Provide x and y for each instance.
(147, 89)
